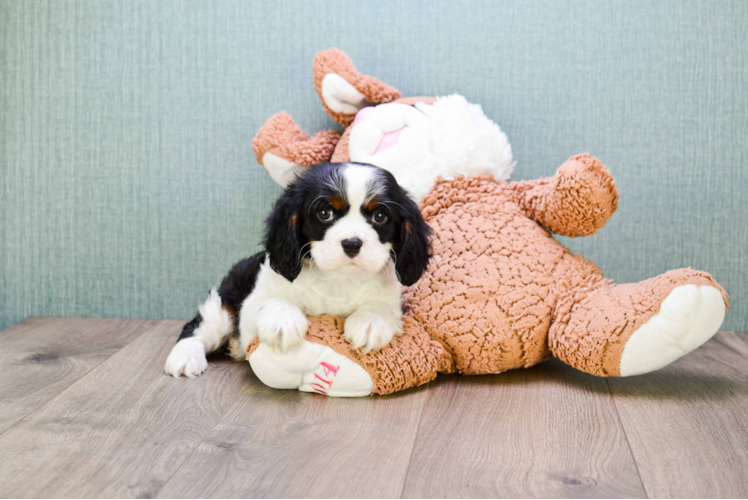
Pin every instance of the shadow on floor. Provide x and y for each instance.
(671, 383)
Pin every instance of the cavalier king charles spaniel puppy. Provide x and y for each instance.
(342, 240)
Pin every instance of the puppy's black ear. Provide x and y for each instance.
(414, 251)
(283, 233)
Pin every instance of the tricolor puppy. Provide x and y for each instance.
(342, 240)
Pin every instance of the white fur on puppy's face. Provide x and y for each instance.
(361, 184)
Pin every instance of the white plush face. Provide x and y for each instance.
(420, 143)
(417, 144)
(353, 238)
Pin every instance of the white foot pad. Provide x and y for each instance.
(311, 368)
(689, 316)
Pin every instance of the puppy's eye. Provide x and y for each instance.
(378, 217)
(325, 215)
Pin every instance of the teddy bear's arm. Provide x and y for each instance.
(577, 201)
(284, 149)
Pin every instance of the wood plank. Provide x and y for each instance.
(289, 444)
(122, 430)
(41, 357)
(687, 424)
(548, 431)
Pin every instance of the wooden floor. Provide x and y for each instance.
(85, 411)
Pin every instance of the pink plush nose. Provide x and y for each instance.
(363, 114)
(389, 139)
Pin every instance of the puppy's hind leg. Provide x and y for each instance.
(204, 334)
(235, 349)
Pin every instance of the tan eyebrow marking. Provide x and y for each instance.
(294, 220)
(337, 203)
(372, 203)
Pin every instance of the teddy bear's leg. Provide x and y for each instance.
(328, 364)
(285, 150)
(310, 368)
(622, 330)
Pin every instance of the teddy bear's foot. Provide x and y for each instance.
(655, 321)
(689, 316)
(311, 368)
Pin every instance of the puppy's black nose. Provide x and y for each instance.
(351, 246)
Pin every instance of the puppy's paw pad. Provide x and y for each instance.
(186, 358)
(235, 349)
(368, 331)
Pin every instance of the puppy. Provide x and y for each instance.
(342, 240)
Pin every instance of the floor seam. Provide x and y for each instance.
(625, 435)
(415, 437)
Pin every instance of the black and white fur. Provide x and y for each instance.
(342, 240)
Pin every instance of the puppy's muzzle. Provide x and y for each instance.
(351, 246)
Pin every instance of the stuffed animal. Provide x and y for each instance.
(501, 292)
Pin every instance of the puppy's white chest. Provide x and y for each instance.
(338, 294)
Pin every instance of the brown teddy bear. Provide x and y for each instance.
(500, 293)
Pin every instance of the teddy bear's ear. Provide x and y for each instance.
(343, 90)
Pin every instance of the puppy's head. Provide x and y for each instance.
(347, 217)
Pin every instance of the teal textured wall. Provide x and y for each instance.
(128, 184)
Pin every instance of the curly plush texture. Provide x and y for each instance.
(577, 201)
(280, 136)
(341, 153)
(503, 294)
(488, 294)
(409, 360)
(336, 61)
(594, 318)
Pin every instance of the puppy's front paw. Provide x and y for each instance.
(370, 330)
(186, 358)
(281, 325)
